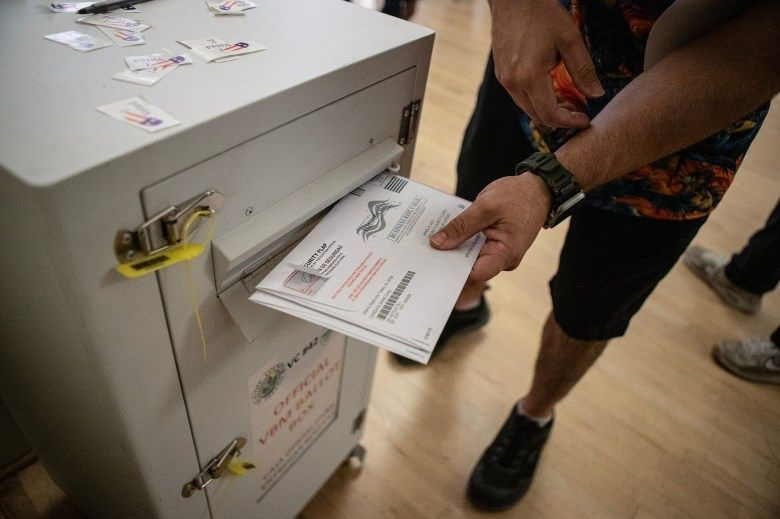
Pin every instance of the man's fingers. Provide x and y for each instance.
(462, 227)
(521, 99)
(486, 268)
(550, 113)
(493, 259)
(580, 67)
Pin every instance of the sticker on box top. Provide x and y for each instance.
(116, 22)
(148, 70)
(226, 58)
(157, 61)
(211, 49)
(138, 112)
(230, 6)
(79, 41)
(146, 77)
(122, 37)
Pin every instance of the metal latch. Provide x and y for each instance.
(410, 118)
(215, 467)
(163, 230)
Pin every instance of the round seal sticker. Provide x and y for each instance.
(266, 386)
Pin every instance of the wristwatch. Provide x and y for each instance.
(566, 193)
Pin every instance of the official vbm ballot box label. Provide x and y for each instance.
(292, 402)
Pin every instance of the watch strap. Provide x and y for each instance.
(565, 192)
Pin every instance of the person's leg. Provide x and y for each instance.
(609, 265)
(756, 268)
(710, 266)
(560, 363)
(752, 272)
(493, 144)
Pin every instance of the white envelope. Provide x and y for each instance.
(367, 269)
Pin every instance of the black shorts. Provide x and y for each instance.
(610, 262)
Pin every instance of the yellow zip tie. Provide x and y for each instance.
(240, 467)
(209, 213)
(170, 255)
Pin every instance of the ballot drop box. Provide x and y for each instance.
(149, 395)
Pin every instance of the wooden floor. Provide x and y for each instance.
(655, 429)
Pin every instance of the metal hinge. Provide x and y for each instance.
(163, 230)
(410, 118)
(215, 467)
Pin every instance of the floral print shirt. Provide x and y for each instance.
(682, 186)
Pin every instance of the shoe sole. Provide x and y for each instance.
(479, 504)
(735, 371)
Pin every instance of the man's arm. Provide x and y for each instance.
(694, 92)
(690, 94)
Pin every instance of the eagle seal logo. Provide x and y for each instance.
(267, 385)
(376, 219)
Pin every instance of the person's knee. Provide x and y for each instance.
(556, 334)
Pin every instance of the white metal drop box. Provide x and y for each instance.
(105, 374)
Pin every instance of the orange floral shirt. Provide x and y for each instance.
(683, 186)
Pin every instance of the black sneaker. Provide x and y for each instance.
(504, 473)
(460, 321)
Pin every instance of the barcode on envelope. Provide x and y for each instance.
(396, 184)
(393, 299)
(358, 191)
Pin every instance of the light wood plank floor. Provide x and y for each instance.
(654, 430)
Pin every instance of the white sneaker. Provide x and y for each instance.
(756, 359)
(710, 266)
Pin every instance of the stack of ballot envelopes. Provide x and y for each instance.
(367, 269)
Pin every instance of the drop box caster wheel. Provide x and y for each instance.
(356, 456)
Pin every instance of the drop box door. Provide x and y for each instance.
(297, 392)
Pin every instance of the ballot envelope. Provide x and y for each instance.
(367, 269)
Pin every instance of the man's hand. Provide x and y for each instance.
(530, 38)
(510, 211)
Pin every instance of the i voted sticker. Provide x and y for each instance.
(148, 70)
(230, 6)
(214, 49)
(123, 37)
(115, 22)
(137, 112)
(78, 41)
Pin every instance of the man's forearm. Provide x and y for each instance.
(692, 93)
